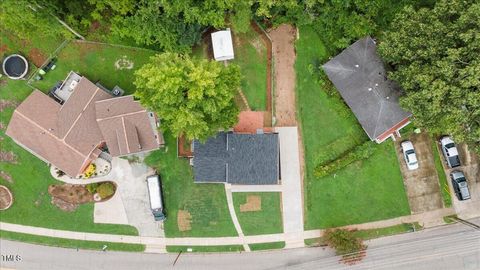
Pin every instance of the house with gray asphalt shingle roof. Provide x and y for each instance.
(244, 159)
(359, 75)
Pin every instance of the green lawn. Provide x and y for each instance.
(251, 56)
(31, 178)
(267, 246)
(397, 229)
(266, 221)
(97, 63)
(231, 248)
(447, 199)
(69, 243)
(364, 191)
(13, 44)
(206, 203)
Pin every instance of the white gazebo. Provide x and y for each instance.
(222, 45)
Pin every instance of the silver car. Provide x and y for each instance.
(409, 155)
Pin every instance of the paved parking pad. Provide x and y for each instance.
(422, 185)
(471, 168)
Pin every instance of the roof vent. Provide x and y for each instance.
(369, 89)
(357, 65)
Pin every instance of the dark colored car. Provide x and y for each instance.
(460, 185)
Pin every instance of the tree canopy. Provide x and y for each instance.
(193, 97)
(435, 56)
(22, 18)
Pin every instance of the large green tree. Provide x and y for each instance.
(23, 17)
(435, 55)
(193, 97)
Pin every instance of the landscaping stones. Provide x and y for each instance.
(6, 198)
(7, 177)
(8, 157)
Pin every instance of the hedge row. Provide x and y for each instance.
(360, 152)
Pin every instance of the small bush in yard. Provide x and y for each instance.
(346, 244)
(106, 190)
(360, 152)
(92, 188)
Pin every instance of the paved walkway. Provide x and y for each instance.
(292, 202)
(233, 215)
(157, 245)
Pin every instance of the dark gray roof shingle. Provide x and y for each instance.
(359, 75)
(247, 159)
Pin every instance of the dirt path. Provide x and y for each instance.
(283, 38)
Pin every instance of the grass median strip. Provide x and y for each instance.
(70, 243)
(228, 248)
(447, 199)
(267, 246)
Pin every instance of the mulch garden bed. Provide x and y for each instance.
(6, 198)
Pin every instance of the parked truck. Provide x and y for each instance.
(155, 194)
(450, 152)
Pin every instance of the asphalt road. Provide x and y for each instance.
(447, 247)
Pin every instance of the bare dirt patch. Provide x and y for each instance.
(2, 126)
(63, 205)
(7, 177)
(8, 157)
(5, 103)
(3, 49)
(253, 204)
(6, 198)
(184, 220)
(283, 38)
(37, 57)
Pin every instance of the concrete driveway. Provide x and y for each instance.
(422, 185)
(471, 168)
(130, 205)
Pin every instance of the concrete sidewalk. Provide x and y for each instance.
(156, 244)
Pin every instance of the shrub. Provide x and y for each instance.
(60, 173)
(346, 244)
(92, 188)
(360, 152)
(106, 190)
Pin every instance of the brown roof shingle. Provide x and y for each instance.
(68, 135)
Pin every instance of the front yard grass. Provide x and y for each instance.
(31, 178)
(206, 203)
(97, 63)
(364, 191)
(70, 243)
(268, 220)
(230, 248)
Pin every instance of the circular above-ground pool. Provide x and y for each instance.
(15, 66)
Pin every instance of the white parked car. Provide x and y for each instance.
(409, 155)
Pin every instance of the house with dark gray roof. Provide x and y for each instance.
(244, 159)
(359, 75)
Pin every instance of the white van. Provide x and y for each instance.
(155, 194)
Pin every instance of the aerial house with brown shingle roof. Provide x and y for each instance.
(73, 132)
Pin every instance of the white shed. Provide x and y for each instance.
(222, 45)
